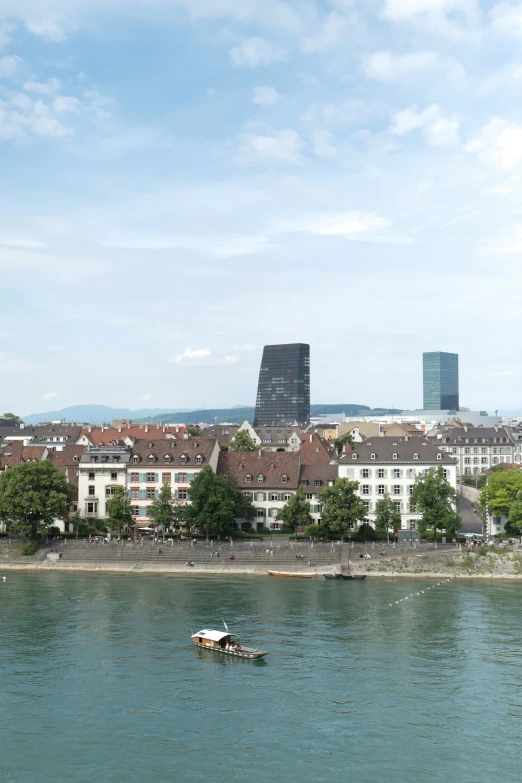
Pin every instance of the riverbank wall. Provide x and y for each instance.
(258, 559)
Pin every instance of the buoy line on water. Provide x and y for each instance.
(420, 592)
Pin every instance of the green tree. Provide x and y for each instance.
(514, 526)
(32, 496)
(386, 516)
(242, 441)
(217, 503)
(296, 512)
(193, 431)
(501, 491)
(164, 511)
(342, 508)
(434, 498)
(119, 511)
(13, 417)
(338, 443)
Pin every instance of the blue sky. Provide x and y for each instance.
(183, 181)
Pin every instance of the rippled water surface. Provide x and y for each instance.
(100, 681)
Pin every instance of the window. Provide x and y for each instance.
(365, 489)
(273, 513)
(396, 473)
(114, 477)
(309, 496)
(483, 450)
(165, 478)
(135, 511)
(396, 489)
(354, 456)
(151, 493)
(394, 456)
(466, 450)
(92, 508)
(367, 504)
(475, 450)
(92, 491)
(475, 460)
(381, 473)
(365, 473)
(287, 496)
(260, 478)
(260, 497)
(135, 478)
(495, 460)
(467, 460)
(134, 493)
(274, 496)
(439, 456)
(284, 479)
(501, 450)
(484, 460)
(151, 478)
(410, 489)
(397, 505)
(380, 489)
(183, 459)
(199, 459)
(454, 450)
(415, 456)
(413, 524)
(410, 473)
(372, 456)
(135, 459)
(182, 478)
(152, 458)
(91, 476)
(110, 491)
(495, 450)
(466, 471)
(248, 479)
(260, 512)
(182, 494)
(475, 470)
(167, 458)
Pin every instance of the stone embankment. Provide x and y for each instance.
(258, 558)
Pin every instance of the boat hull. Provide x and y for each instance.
(355, 576)
(291, 575)
(245, 652)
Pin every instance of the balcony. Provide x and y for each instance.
(91, 498)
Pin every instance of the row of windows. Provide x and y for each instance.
(383, 473)
(394, 456)
(261, 497)
(166, 478)
(261, 478)
(395, 489)
(399, 506)
(167, 459)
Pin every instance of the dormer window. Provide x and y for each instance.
(354, 456)
(415, 456)
(183, 459)
(439, 456)
(372, 456)
(152, 458)
(199, 459)
(260, 478)
(284, 479)
(167, 458)
(394, 456)
(248, 478)
(135, 459)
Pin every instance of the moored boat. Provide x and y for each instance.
(298, 575)
(225, 643)
(333, 576)
(355, 576)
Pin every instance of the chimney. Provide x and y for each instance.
(26, 442)
(146, 429)
(259, 453)
(311, 436)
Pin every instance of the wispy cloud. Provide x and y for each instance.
(389, 67)
(253, 52)
(281, 148)
(265, 96)
(439, 127)
(501, 374)
(499, 144)
(189, 354)
(50, 396)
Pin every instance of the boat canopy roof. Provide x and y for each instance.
(214, 636)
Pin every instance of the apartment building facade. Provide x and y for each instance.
(387, 466)
(477, 449)
(101, 469)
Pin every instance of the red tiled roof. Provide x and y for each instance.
(272, 465)
(316, 450)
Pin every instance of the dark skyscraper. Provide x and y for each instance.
(441, 381)
(283, 392)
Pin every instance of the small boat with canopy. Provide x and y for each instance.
(226, 643)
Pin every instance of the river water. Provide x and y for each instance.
(100, 680)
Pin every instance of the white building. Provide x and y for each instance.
(478, 449)
(153, 463)
(101, 469)
(387, 466)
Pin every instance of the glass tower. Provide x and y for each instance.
(441, 381)
(283, 392)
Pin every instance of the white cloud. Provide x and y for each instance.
(13, 241)
(453, 18)
(282, 148)
(147, 397)
(9, 65)
(350, 223)
(43, 88)
(189, 354)
(323, 144)
(506, 18)
(265, 96)
(330, 34)
(48, 29)
(501, 374)
(50, 396)
(509, 77)
(390, 67)
(256, 51)
(351, 113)
(499, 144)
(439, 127)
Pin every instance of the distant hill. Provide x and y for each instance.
(94, 414)
(101, 414)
